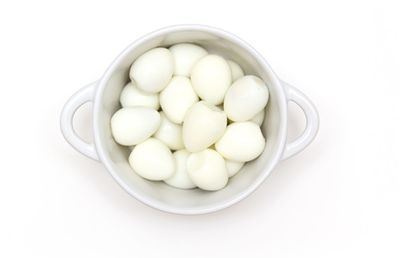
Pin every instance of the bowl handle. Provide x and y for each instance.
(81, 97)
(312, 121)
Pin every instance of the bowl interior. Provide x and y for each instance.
(158, 194)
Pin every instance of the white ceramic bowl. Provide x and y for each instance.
(105, 97)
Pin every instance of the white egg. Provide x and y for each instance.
(180, 178)
(245, 98)
(259, 118)
(236, 70)
(177, 98)
(233, 167)
(153, 70)
(207, 170)
(132, 96)
(169, 133)
(185, 56)
(242, 141)
(152, 160)
(133, 125)
(204, 124)
(211, 78)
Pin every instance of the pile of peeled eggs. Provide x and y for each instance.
(190, 119)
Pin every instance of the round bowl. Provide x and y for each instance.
(105, 92)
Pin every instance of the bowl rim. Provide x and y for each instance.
(281, 137)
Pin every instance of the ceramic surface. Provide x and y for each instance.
(105, 97)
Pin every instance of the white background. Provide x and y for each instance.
(338, 198)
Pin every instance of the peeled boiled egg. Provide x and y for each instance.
(259, 118)
(133, 125)
(185, 56)
(169, 133)
(177, 98)
(211, 78)
(180, 178)
(132, 96)
(233, 167)
(153, 70)
(203, 125)
(152, 160)
(236, 70)
(245, 98)
(207, 170)
(242, 142)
